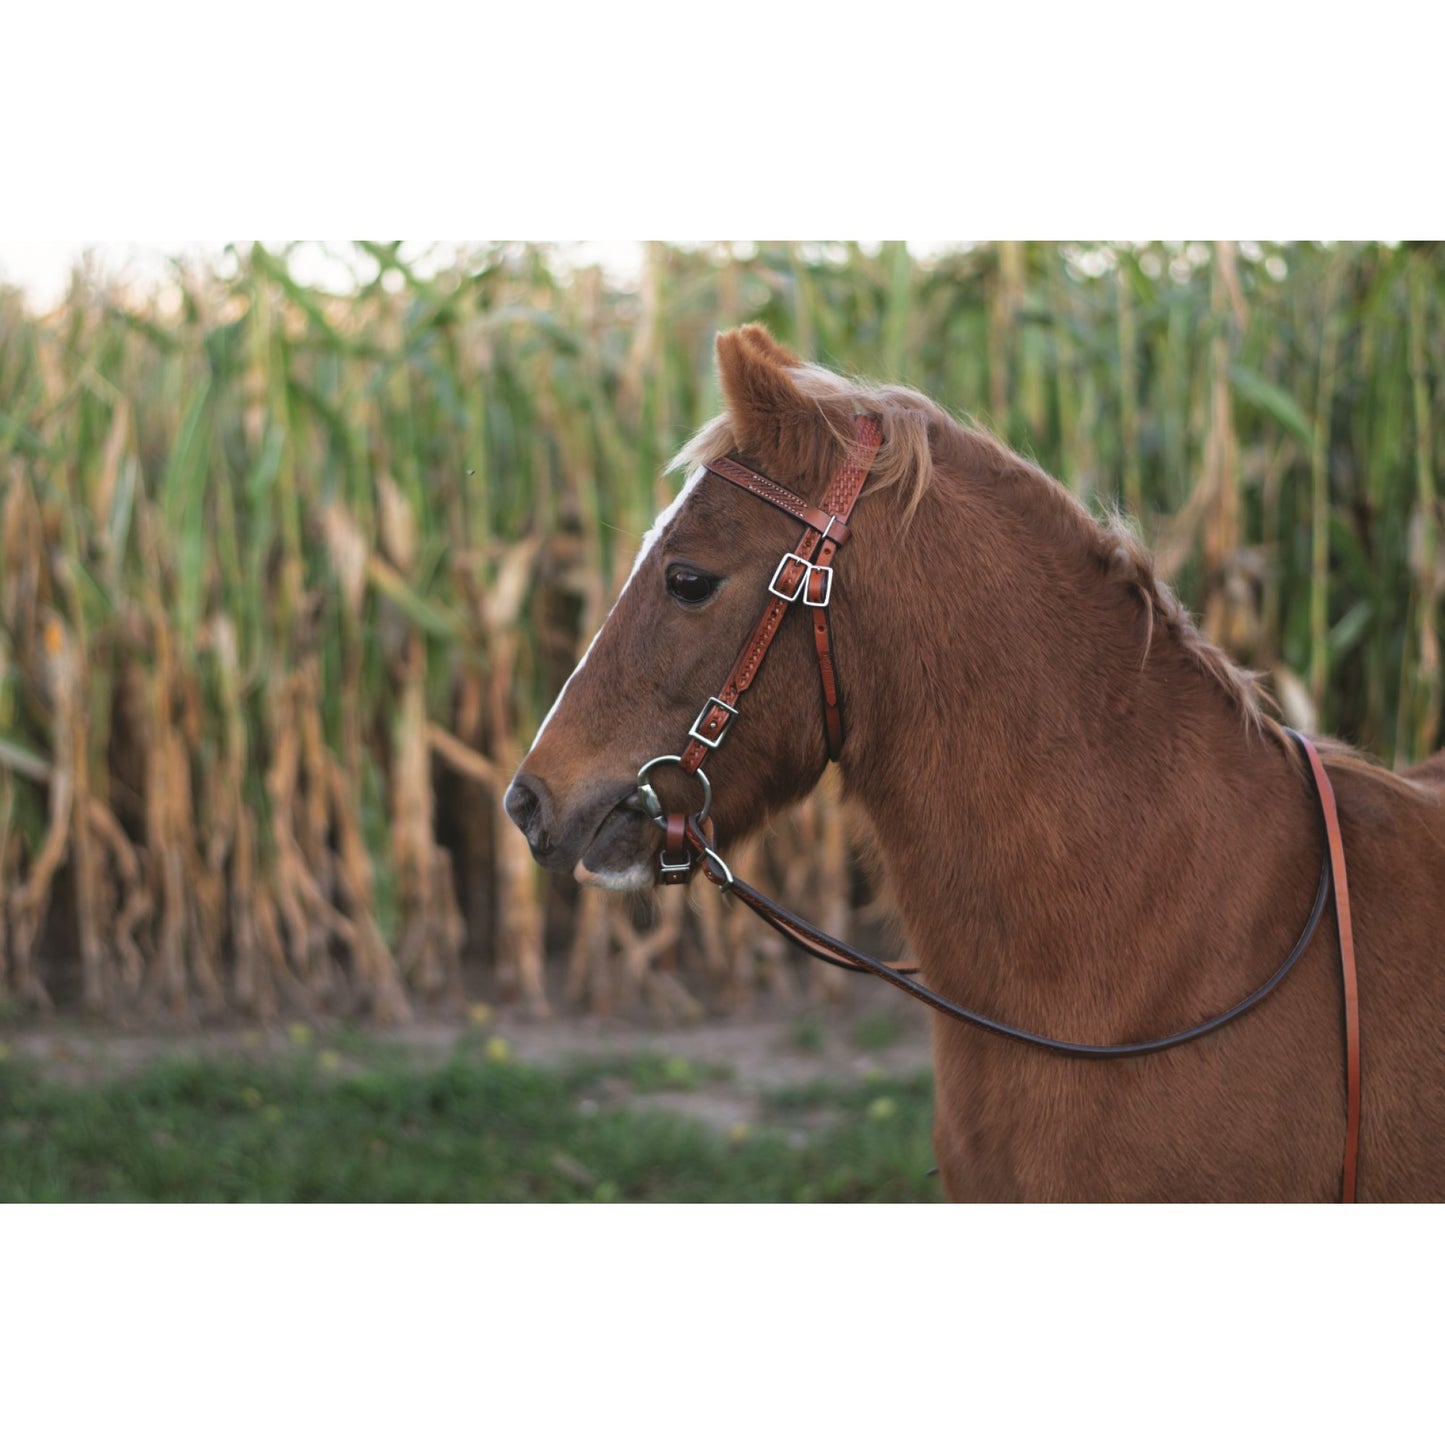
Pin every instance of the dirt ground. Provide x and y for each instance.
(736, 1060)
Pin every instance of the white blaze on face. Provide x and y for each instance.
(658, 527)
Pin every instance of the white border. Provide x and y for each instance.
(719, 1323)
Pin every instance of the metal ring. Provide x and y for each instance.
(651, 801)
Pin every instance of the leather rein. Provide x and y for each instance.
(805, 575)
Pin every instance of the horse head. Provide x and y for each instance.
(701, 576)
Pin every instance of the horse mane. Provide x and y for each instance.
(916, 430)
(908, 418)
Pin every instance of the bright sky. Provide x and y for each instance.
(42, 268)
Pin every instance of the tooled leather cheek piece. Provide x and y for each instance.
(804, 575)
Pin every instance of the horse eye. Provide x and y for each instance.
(688, 586)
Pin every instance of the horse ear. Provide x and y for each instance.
(761, 341)
(760, 396)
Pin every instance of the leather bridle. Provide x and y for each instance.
(805, 575)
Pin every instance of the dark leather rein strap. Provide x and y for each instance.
(824, 946)
(1347, 963)
(832, 950)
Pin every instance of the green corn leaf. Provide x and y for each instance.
(432, 620)
(1346, 634)
(1251, 387)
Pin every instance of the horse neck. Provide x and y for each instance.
(1080, 829)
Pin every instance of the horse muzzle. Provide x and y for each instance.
(601, 836)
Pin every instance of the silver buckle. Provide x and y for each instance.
(707, 707)
(800, 592)
(807, 567)
(827, 574)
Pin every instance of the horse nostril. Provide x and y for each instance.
(526, 805)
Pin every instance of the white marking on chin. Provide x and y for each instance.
(630, 880)
(653, 533)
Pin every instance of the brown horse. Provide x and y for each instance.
(1091, 828)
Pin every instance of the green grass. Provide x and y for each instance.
(293, 1130)
(650, 1073)
(809, 1034)
(877, 1031)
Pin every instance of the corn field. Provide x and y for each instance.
(288, 578)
